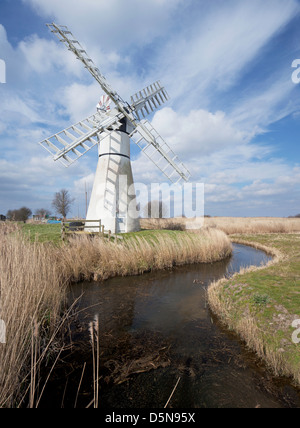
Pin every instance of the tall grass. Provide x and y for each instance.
(100, 259)
(33, 285)
(257, 225)
(229, 225)
(31, 295)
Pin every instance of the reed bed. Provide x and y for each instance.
(33, 285)
(31, 293)
(98, 259)
(229, 225)
(232, 225)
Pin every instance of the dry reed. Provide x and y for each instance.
(95, 342)
(31, 295)
(33, 284)
(229, 225)
(98, 259)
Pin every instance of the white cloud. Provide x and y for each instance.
(218, 45)
(83, 187)
(197, 133)
(259, 188)
(43, 56)
(24, 108)
(118, 23)
(255, 112)
(244, 185)
(80, 101)
(199, 52)
(144, 171)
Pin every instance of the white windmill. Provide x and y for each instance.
(111, 130)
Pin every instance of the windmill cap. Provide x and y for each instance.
(104, 103)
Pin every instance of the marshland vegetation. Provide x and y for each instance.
(261, 304)
(229, 225)
(35, 273)
(37, 268)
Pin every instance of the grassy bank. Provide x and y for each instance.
(229, 225)
(37, 267)
(98, 259)
(260, 304)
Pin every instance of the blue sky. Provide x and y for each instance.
(234, 112)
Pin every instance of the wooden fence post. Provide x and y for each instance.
(63, 234)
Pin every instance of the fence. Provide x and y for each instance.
(80, 226)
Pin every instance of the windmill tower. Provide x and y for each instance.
(113, 199)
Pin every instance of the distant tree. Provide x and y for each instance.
(62, 203)
(42, 213)
(22, 214)
(155, 209)
(9, 215)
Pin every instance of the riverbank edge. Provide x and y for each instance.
(26, 262)
(280, 355)
(141, 253)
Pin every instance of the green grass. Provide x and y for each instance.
(281, 282)
(152, 235)
(52, 233)
(43, 232)
(270, 296)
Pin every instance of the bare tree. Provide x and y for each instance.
(42, 213)
(62, 203)
(155, 209)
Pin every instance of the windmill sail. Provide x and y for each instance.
(111, 130)
(66, 37)
(159, 152)
(72, 143)
(149, 99)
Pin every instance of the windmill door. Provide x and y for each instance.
(121, 225)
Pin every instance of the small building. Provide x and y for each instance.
(2, 217)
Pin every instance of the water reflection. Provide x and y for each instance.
(156, 328)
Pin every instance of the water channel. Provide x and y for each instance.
(156, 329)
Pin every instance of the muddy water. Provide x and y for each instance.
(156, 329)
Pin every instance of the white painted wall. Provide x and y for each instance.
(110, 201)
